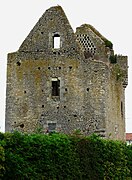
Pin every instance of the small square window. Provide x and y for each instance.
(51, 127)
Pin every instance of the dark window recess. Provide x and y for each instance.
(56, 41)
(65, 89)
(51, 127)
(121, 108)
(56, 88)
(25, 92)
(42, 106)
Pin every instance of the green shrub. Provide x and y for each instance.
(108, 44)
(113, 59)
(128, 152)
(88, 153)
(40, 156)
(2, 160)
(2, 156)
(60, 156)
(115, 161)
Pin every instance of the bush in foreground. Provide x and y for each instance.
(59, 156)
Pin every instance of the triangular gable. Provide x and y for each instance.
(53, 23)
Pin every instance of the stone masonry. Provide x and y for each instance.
(63, 81)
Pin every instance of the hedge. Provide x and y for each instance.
(60, 156)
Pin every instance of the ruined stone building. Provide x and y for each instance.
(63, 81)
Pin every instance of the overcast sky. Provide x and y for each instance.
(112, 18)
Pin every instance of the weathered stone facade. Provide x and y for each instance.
(76, 84)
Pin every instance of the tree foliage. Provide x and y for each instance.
(59, 156)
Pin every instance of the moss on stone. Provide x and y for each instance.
(119, 73)
(108, 44)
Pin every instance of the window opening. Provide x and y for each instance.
(56, 41)
(55, 87)
(51, 127)
(121, 108)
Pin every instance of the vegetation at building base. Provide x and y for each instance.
(60, 156)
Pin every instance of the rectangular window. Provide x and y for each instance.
(56, 41)
(55, 87)
(121, 108)
(51, 127)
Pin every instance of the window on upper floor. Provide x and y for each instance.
(55, 87)
(56, 41)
